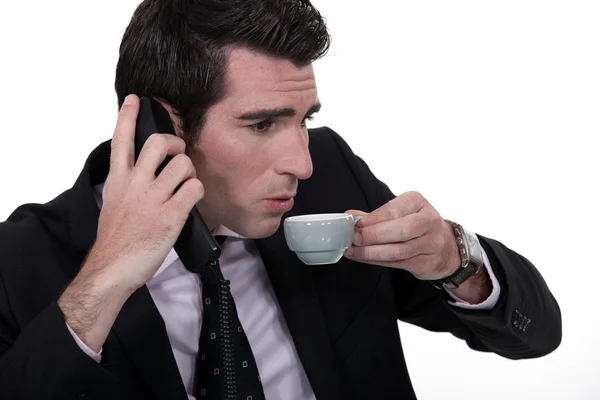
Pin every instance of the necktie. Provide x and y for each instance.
(224, 353)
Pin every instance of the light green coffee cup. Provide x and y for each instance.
(319, 239)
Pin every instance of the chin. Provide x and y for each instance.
(265, 228)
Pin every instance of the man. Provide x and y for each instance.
(94, 302)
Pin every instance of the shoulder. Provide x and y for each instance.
(29, 228)
(326, 145)
(324, 136)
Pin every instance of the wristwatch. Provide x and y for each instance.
(471, 256)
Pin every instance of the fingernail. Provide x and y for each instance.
(358, 240)
(128, 100)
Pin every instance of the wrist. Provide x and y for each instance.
(454, 259)
(476, 289)
(465, 257)
(91, 303)
(109, 273)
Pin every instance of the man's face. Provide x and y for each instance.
(244, 160)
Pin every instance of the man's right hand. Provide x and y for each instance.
(141, 218)
(139, 223)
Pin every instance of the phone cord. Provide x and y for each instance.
(227, 346)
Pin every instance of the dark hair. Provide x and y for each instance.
(175, 50)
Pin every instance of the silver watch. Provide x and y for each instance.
(471, 256)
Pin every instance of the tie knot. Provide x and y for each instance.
(221, 239)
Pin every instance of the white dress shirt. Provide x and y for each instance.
(177, 294)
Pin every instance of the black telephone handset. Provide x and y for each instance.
(196, 246)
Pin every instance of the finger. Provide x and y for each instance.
(392, 252)
(177, 171)
(403, 205)
(122, 143)
(398, 230)
(190, 193)
(155, 150)
(420, 266)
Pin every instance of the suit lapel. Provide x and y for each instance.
(139, 325)
(141, 330)
(294, 286)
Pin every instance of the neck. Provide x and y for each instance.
(211, 223)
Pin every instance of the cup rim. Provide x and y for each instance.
(318, 217)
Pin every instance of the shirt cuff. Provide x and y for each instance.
(488, 303)
(96, 356)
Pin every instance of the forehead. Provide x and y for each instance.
(251, 73)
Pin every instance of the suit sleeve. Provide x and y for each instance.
(43, 361)
(524, 323)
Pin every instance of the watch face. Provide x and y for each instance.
(474, 247)
(471, 241)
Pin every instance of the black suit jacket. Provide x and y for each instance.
(342, 318)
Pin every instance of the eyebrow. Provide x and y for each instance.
(276, 112)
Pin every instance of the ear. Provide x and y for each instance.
(175, 120)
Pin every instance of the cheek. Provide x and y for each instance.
(230, 180)
(232, 167)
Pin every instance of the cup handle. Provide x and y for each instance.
(356, 219)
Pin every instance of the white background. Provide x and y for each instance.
(490, 109)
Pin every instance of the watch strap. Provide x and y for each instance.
(471, 256)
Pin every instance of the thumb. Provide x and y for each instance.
(357, 213)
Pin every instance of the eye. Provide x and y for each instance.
(261, 127)
(309, 118)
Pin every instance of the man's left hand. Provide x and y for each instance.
(406, 233)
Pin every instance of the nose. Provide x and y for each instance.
(294, 158)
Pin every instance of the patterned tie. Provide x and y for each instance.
(224, 353)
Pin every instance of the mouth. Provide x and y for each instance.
(280, 204)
